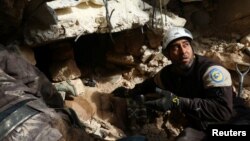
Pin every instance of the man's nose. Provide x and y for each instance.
(182, 49)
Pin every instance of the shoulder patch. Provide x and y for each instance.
(217, 76)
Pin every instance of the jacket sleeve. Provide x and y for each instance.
(216, 106)
(216, 102)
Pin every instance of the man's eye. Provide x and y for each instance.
(175, 48)
(186, 44)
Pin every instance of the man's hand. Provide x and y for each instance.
(121, 92)
(167, 102)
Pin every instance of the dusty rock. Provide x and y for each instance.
(82, 108)
(120, 59)
(246, 40)
(130, 42)
(154, 39)
(83, 18)
(64, 70)
(147, 55)
(97, 2)
(60, 4)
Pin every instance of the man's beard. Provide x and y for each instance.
(186, 66)
(183, 68)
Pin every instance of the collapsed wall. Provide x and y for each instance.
(77, 18)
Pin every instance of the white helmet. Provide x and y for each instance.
(175, 33)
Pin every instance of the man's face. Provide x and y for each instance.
(180, 53)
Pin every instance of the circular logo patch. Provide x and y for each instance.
(216, 75)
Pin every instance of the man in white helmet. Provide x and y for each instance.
(197, 86)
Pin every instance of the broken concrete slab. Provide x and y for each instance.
(86, 17)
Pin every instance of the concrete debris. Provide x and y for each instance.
(147, 54)
(97, 2)
(121, 59)
(77, 18)
(60, 4)
(70, 87)
(165, 21)
(66, 87)
(246, 40)
(82, 106)
(102, 129)
(64, 70)
(152, 60)
(88, 18)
